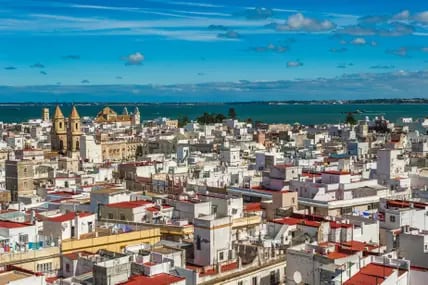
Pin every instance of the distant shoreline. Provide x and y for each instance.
(285, 102)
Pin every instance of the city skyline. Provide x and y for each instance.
(353, 50)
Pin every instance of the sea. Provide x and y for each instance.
(307, 114)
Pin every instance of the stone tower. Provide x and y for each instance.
(45, 115)
(19, 178)
(136, 120)
(58, 131)
(125, 111)
(74, 132)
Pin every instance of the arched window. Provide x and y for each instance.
(77, 126)
(60, 125)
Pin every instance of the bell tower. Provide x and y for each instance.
(135, 118)
(58, 131)
(74, 131)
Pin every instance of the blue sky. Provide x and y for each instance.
(179, 42)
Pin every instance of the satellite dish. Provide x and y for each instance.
(297, 277)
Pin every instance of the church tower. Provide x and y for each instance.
(58, 131)
(135, 118)
(74, 132)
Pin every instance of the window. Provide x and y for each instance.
(346, 210)
(198, 242)
(90, 226)
(293, 200)
(110, 216)
(240, 282)
(23, 238)
(44, 267)
(392, 219)
(122, 217)
(254, 280)
(67, 267)
(221, 256)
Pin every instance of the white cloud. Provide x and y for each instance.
(294, 63)
(134, 59)
(401, 16)
(358, 41)
(422, 17)
(298, 22)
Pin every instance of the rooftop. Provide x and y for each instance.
(77, 254)
(13, 225)
(10, 276)
(372, 274)
(68, 217)
(158, 279)
(130, 204)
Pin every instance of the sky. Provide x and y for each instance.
(226, 46)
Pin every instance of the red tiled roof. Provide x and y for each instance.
(336, 255)
(50, 280)
(405, 204)
(335, 225)
(224, 268)
(358, 245)
(335, 172)
(252, 207)
(62, 193)
(149, 263)
(129, 204)
(158, 279)
(296, 221)
(286, 221)
(310, 175)
(68, 216)
(75, 255)
(372, 274)
(13, 225)
(284, 165)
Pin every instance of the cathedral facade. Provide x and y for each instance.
(65, 132)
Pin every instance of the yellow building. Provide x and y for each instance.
(42, 260)
(108, 116)
(112, 242)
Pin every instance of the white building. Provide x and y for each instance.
(69, 225)
(212, 240)
(390, 164)
(90, 151)
(16, 235)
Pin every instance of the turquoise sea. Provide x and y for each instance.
(265, 112)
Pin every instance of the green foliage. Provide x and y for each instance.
(210, 118)
(350, 119)
(232, 113)
(182, 121)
